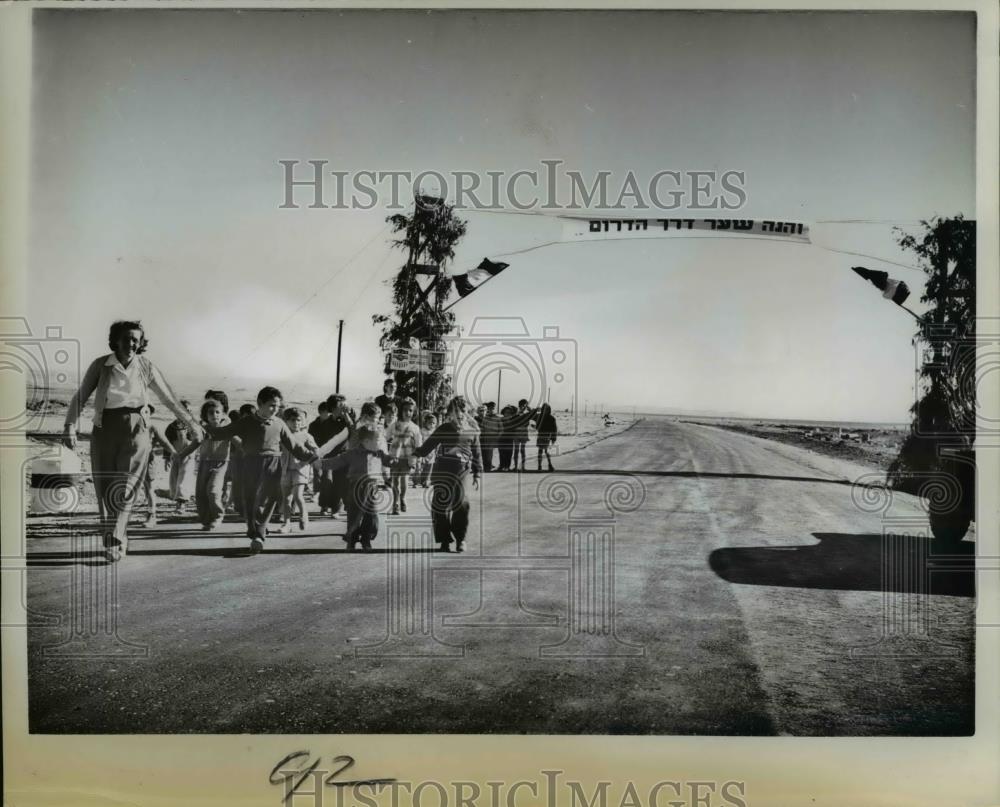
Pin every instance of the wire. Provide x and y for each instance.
(528, 249)
(313, 296)
(872, 257)
(868, 221)
(368, 284)
(333, 331)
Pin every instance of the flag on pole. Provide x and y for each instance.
(467, 283)
(892, 289)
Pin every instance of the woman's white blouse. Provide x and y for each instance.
(125, 385)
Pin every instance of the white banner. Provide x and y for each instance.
(615, 229)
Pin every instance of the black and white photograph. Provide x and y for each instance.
(502, 372)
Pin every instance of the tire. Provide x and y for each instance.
(950, 527)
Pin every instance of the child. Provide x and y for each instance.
(218, 395)
(342, 417)
(230, 493)
(389, 411)
(236, 462)
(317, 428)
(362, 462)
(505, 444)
(213, 460)
(490, 435)
(403, 437)
(295, 474)
(458, 457)
(424, 463)
(545, 422)
(519, 428)
(334, 418)
(177, 434)
(263, 435)
(159, 440)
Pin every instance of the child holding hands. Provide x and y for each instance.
(213, 460)
(263, 434)
(363, 462)
(404, 438)
(295, 473)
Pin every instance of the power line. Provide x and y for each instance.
(314, 294)
(872, 257)
(371, 279)
(350, 307)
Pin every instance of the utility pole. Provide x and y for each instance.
(499, 379)
(415, 296)
(427, 238)
(340, 340)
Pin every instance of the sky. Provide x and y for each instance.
(156, 190)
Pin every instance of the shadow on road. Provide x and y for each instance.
(702, 475)
(854, 563)
(96, 558)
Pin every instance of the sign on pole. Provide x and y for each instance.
(418, 359)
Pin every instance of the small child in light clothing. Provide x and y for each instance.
(403, 437)
(389, 413)
(423, 472)
(295, 473)
(180, 465)
(213, 461)
(159, 441)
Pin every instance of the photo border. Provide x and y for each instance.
(233, 769)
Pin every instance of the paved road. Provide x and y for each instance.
(736, 588)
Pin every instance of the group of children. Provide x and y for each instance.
(264, 457)
(507, 434)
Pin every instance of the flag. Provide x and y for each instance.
(467, 283)
(892, 289)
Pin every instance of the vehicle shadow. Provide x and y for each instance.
(848, 562)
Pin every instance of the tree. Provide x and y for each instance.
(944, 413)
(429, 237)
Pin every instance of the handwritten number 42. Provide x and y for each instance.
(295, 779)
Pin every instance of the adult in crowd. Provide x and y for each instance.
(388, 396)
(120, 442)
(457, 463)
(492, 427)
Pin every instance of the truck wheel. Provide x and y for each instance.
(950, 527)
